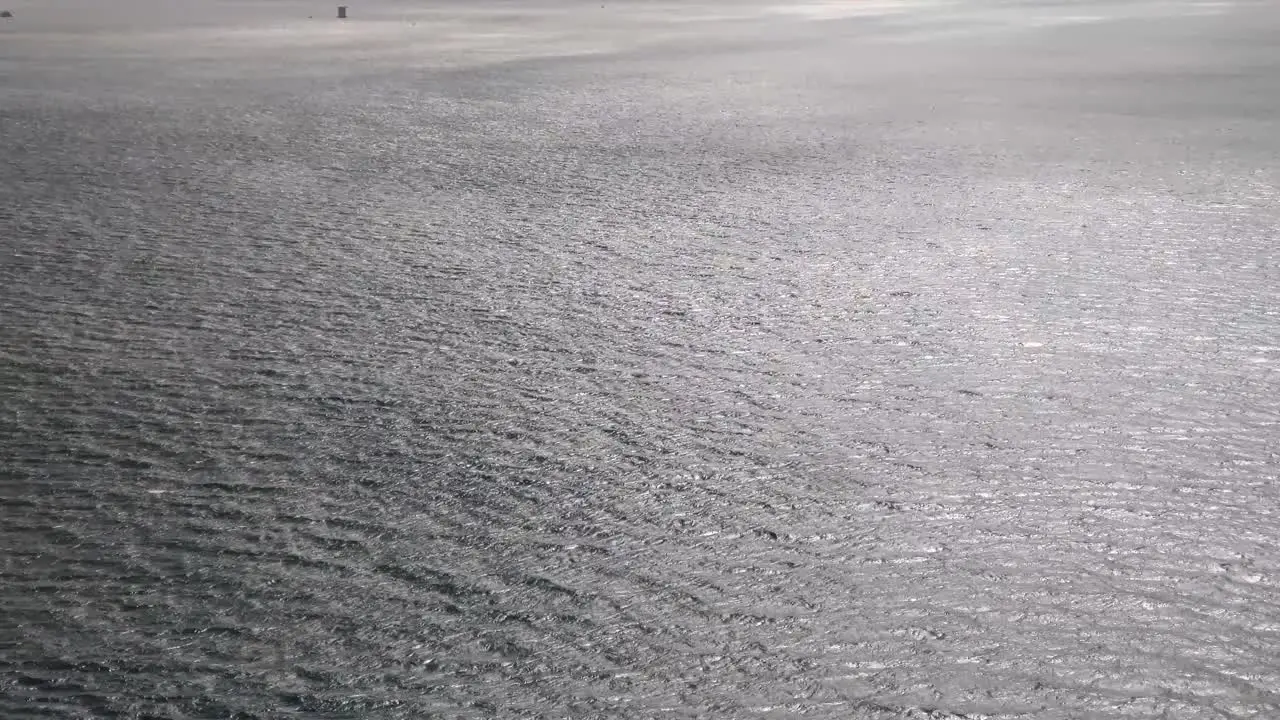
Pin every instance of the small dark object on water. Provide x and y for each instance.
(342, 12)
(6, 13)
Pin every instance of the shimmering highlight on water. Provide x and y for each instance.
(909, 360)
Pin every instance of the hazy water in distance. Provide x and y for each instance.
(640, 360)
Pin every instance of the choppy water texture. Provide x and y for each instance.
(640, 360)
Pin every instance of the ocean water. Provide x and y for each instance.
(640, 360)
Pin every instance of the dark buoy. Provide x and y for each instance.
(342, 12)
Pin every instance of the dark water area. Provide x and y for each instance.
(839, 360)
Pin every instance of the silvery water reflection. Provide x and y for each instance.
(640, 360)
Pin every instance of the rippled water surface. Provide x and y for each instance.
(640, 360)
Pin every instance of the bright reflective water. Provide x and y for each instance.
(641, 360)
